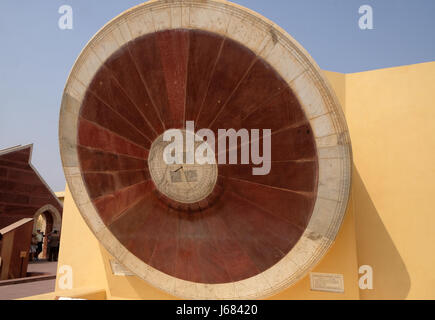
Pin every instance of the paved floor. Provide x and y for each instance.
(22, 290)
(42, 266)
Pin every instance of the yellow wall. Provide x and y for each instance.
(80, 249)
(391, 118)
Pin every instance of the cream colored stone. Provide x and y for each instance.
(162, 18)
(68, 137)
(140, 23)
(111, 243)
(280, 271)
(309, 96)
(338, 151)
(206, 291)
(121, 33)
(186, 289)
(176, 17)
(131, 262)
(185, 16)
(327, 141)
(251, 287)
(269, 45)
(75, 89)
(183, 191)
(68, 154)
(70, 104)
(161, 280)
(249, 34)
(211, 20)
(78, 190)
(322, 218)
(225, 291)
(302, 252)
(327, 282)
(88, 66)
(71, 171)
(68, 131)
(322, 126)
(105, 47)
(330, 178)
(92, 217)
(284, 62)
(266, 26)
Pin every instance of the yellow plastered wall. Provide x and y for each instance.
(391, 118)
(80, 250)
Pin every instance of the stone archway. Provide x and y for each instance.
(57, 219)
(52, 221)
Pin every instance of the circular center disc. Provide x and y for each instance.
(186, 180)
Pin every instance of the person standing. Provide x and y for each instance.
(1, 262)
(40, 239)
(33, 247)
(53, 240)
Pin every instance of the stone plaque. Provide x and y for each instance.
(118, 269)
(328, 282)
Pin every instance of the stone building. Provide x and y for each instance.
(24, 194)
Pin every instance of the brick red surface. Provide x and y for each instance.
(157, 82)
(22, 192)
(15, 291)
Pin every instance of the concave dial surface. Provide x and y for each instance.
(159, 81)
(205, 231)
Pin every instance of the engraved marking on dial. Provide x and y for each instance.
(185, 183)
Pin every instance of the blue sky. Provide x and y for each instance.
(36, 55)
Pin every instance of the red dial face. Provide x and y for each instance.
(245, 223)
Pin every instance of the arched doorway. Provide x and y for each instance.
(46, 219)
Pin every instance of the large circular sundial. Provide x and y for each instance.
(214, 230)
